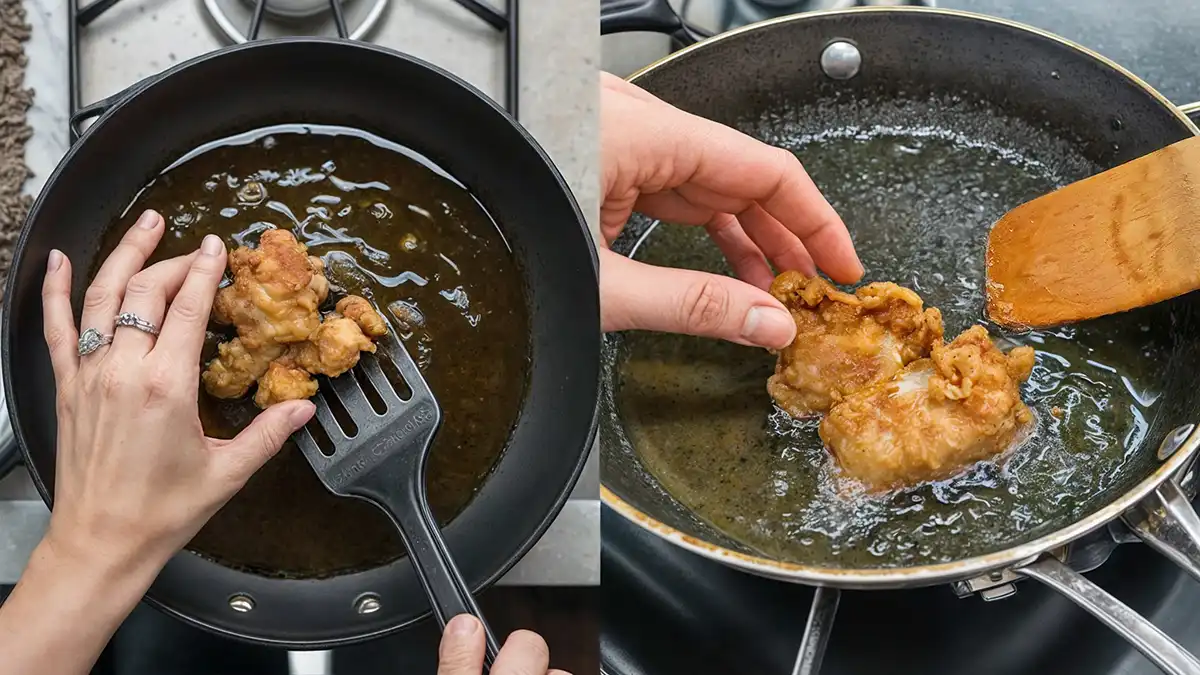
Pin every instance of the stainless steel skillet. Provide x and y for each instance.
(1053, 103)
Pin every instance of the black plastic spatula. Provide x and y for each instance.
(384, 463)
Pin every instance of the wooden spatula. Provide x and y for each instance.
(1125, 238)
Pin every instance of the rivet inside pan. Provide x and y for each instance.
(1174, 441)
(841, 60)
(241, 603)
(368, 603)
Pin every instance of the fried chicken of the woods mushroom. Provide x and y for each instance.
(282, 339)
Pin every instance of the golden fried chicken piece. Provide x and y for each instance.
(333, 348)
(846, 342)
(272, 297)
(362, 313)
(237, 367)
(319, 283)
(284, 381)
(939, 416)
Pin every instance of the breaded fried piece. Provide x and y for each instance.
(236, 367)
(333, 348)
(846, 342)
(939, 416)
(284, 381)
(319, 284)
(273, 297)
(362, 313)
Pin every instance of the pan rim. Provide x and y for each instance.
(350, 634)
(918, 575)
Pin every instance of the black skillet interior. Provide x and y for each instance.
(409, 102)
(951, 80)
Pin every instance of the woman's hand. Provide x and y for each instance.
(756, 202)
(135, 477)
(462, 650)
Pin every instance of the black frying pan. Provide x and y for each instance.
(409, 102)
(922, 127)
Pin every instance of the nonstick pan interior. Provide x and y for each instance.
(919, 170)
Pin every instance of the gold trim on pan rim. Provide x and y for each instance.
(920, 575)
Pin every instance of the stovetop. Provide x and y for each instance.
(667, 611)
(133, 39)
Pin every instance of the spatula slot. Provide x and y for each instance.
(369, 389)
(334, 415)
(317, 432)
(389, 371)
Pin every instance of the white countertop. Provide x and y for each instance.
(558, 104)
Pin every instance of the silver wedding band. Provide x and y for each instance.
(91, 340)
(131, 320)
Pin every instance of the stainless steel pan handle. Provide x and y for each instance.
(817, 630)
(1192, 110)
(1164, 519)
(1164, 652)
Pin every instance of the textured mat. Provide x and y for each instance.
(15, 100)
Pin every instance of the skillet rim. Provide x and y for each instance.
(192, 561)
(919, 575)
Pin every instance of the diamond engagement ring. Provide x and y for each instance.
(91, 340)
(131, 320)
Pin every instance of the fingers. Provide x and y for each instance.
(779, 244)
(742, 239)
(58, 321)
(462, 648)
(147, 296)
(794, 200)
(693, 303)
(103, 298)
(743, 255)
(260, 441)
(523, 653)
(657, 147)
(182, 333)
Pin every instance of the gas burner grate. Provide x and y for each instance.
(505, 22)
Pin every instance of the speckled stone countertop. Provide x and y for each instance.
(1156, 39)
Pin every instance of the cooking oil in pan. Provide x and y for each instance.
(399, 230)
(919, 203)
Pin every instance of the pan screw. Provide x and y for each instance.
(367, 603)
(241, 603)
(1174, 441)
(841, 60)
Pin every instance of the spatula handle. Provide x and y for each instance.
(448, 594)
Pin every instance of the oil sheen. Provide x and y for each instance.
(397, 229)
(919, 202)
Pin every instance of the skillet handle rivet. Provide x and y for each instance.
(1174, 441)
(841, 60)
(241, 603)
(368, 603)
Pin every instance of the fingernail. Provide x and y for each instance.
(148, 220)
(768, 327)
(301, 414)
(462, 625)
(212, 245)
(54, 261)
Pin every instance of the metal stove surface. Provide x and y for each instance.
(667, 611)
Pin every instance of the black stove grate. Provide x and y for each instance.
(506, 22)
